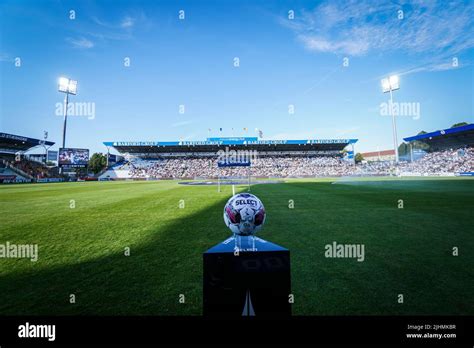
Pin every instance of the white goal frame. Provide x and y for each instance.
(245, 180)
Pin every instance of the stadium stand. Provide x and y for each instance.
(450, 138)
(119, 170)
(16, 167)
(286, 158)
(8, 175)
(446, 152)
(447, 162)
(268, 166)
(11, 144)
(34, 169)
(189, 160)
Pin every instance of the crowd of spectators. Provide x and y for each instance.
(448, 161)
(268, 166)
(34, 169)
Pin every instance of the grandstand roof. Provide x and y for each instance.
(216, 144)
(447, 138)
(11, 144)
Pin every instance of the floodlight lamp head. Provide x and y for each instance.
(391, 83)
(394, 82)
(67, 86)
(385, 85)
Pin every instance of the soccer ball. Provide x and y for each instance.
(244, 214)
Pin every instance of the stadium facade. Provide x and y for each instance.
(444, 152)
(384, 155)
(191, 159)
(12, 167)
(450, 138)
(11, 144)
(211, 146)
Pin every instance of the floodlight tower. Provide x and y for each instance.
(390, 84)
(45, 136)
(66, 86)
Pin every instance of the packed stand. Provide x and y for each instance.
(34, 169)
(268, 166)
(449, 161)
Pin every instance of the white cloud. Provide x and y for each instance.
(4, 57)
(361, 27)
(119, 29)
(448, 64)
(127, 22)
(181, 124)
(101, 22)
(81, 42)
(354, 48)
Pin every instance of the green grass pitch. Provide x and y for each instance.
(81, 250)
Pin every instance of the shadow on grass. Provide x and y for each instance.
(401, 258)
(404, 248)
(148, 282)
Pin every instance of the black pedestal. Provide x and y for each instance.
(252, 283)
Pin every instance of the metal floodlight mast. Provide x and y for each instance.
(66, 86)
(45, 136)
(389, 84)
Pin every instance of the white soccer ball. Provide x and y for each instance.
(244, 214)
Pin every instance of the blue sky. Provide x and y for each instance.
(190, 62)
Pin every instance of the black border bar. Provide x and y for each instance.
(199, 330)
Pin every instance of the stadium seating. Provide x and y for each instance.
(447, 161)
(190, 167)
(33, 169)
(8, 175)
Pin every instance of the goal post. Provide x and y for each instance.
(233, 181)
(242, 175)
